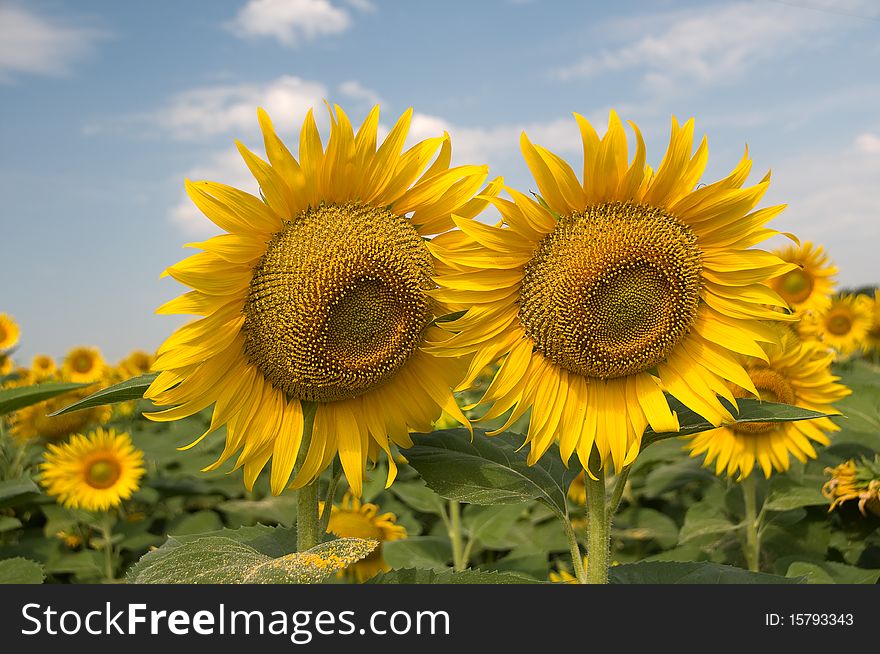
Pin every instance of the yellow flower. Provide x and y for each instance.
(610, 291)
(577, 492)
(562, 576)
(72, 541)
(807, 288)
(34, 422)
(353, 519)
(83, 364)
(872, 338)
(94, 472)
(43, 366)
(135, 364)
(854, 481)
(6, 364)
(9, 332)
(797, 372)
(317, 297)
(845, 325)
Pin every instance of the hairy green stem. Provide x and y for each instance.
(106, 529)
(617, 493)
(331, 496)
(598, 529)
(577, 561)
(459, 562)
(308, 532)
(752, 545)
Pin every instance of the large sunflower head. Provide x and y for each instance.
(135, 364)
(84, 365)
(94, 472)
(353, 519)
(795, 372)
(807, 288)
(607, 291)
(318, 296)
(9, 332)
(845, 325)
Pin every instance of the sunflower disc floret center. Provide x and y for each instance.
(612, 290)
(771, 387)
(337, 304)
(103, 472)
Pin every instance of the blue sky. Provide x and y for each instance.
(105, 107)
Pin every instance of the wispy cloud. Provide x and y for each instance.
(712, 45)
(35, 44)
(292, 22)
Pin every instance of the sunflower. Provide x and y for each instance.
(872, 338)
(604, 294)
(9, 332)
(577, 491)
(135, 364)
(316, 301)
(83, 364)
(34, 422)
(845, 324)
(94, 472)
(353, 519)
(796, 372)
(854, 481)
(43, 366)
(807, 288)
(6, 364)
(563, 576)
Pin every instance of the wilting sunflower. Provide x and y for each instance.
(319, 295)
(844, 326)
(353, 519)
(807, 288)
(84, 365)
(9, 332)
(796, 372)
(605, 292)
(872, 338)
(43, 366)
(135, 364)
(94, 472)
(855, 481)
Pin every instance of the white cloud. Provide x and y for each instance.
(40, 45)
(232, 108)
(292, 22)
(832, 200)
(711, 45)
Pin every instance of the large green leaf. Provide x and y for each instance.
(669, 572)
(12, 399)
(703, 519)
(216, 560)
(830, 572)
(21, 571)
(13, 490)
(416, 576)
(429, 552)
(130, 389)
(489, 470)
(750, 410)
(786, 494)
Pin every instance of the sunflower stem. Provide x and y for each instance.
(307, 527)
(617, 494)
(106, 528)
(577, 561)
(331, 496)
(598, 528)
(752, 545)
(459, 562)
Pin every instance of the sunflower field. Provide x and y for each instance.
(403, 371)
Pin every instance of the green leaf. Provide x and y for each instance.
(489, 470)
(490, 524)
(702, 519)
(13, 399)
(830, 572)
(419, 497)
(130, 389)
(750, 410)
(785, 495)
(8, 523)
(416, 576)
(669, 572)
(21, 571)
(216, 560)
(429, 552)
(643, 524)
(279, 509)
(12, 490)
